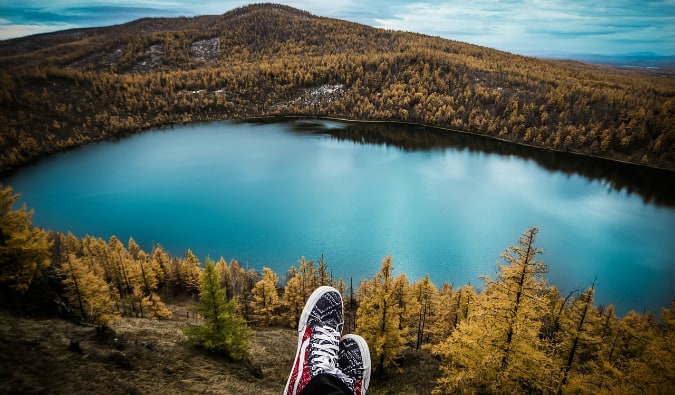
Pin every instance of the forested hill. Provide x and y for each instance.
(64, 89)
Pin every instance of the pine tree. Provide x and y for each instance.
(24, 250)
(223, 330)
(378, 318)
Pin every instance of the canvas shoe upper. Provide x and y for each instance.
(354, 362)
(319, 332)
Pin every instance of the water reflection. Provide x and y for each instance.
(654, 186)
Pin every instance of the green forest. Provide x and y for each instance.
(517, 334)
(64, 89)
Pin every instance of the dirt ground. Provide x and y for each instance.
(139, 356)
(142, 356)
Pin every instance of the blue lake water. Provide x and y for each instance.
(267, 194)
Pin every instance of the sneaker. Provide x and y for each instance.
(319, 331)
(354, 362)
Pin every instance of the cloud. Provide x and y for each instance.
(523, 26)
(578, 26)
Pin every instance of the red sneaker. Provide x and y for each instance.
(319, 331)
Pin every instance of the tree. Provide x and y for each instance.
(426, 295)
(189, 272)
(87, 292)
(443, 322)
(324, 277)
(24, 250)
(378, 318)
(498, 348)
(265, 298)
(579, 337)
(294, 299)
(222, 330)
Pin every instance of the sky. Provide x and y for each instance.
(529, 27)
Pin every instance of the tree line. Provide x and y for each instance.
(518, 335)
(69, 88)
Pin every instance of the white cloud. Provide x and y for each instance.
(593, 26)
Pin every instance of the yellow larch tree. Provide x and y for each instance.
(266, 298)
(23, 248)
(378, 318)
(497, 349)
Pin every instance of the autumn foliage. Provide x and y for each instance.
(518, 335)
(69, 88)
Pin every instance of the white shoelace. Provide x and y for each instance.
(324, 353)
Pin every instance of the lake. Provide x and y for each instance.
(439, 202)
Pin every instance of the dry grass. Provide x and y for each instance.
(146, 356)
(141, 357)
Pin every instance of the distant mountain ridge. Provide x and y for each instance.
(64, 89)
(634, 59)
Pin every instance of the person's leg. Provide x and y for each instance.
(354, 362)
(319, 331)
(327, 384)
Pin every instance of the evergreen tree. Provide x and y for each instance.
(222, 330)
(378, 318)
(24, 250)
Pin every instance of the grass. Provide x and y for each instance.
(141, 356)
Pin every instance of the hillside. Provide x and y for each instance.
(142, 356)
(64, 89)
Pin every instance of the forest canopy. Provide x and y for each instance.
(64, 89)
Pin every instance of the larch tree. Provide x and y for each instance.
(238, 280)
(266, 298)
(222, 331)
(225, 278)
(294, 299)
(425, 295)
(309, 278)
(322, 273)
(189, 272)
(24, 250)
(86, 292)
(498, 349)
(580, 343)
(378, 318)
(442, 323)
(406, 307)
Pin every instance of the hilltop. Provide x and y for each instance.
(64, 89)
